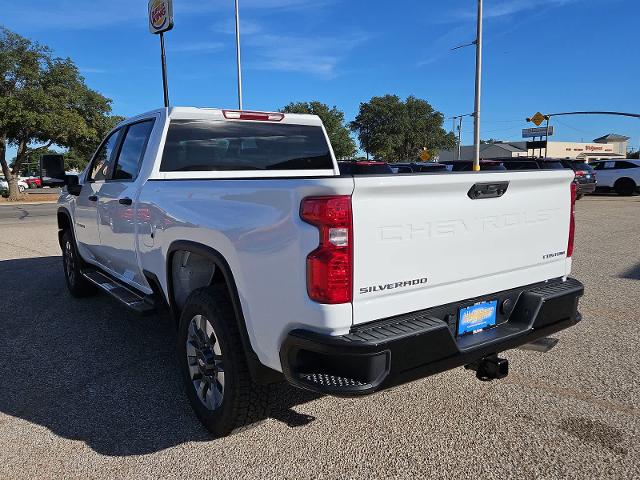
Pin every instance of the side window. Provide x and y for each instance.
(605, 165)
(132, 150)
(622, 165)
(101, 166)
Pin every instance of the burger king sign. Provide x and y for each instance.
(160, 15)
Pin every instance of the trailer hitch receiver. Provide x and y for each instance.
(490, 368)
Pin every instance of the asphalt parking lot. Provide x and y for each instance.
(89, 391)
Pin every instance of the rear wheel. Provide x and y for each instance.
(76, 283)
(625, 187)
(21, 188)
(213, 364)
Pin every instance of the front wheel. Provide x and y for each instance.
(21, 188)
(76, 283)
(214, 367)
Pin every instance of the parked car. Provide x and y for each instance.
(4, 186)
(33, 182)
(467, 165)
(418, 167)
(530, 163)
(621, 176)
(585, 177)
(275, 266)
(364, 168)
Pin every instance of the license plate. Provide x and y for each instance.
(477, 317)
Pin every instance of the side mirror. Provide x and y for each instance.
(73, 184)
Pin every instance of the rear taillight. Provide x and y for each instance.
(572, 219)
(330, 266)
(580, 173)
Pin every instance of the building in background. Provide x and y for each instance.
(607, 147)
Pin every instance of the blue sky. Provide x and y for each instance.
(547, 55)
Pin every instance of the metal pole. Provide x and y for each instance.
(546, 145)
(454, 132)
(476, 113)
(165, 86)
(460, 139)
(238, 56)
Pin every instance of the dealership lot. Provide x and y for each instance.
(88, 390)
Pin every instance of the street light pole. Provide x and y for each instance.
(476, 113)
(238, 56)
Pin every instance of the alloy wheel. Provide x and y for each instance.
(204, 359)
(69, 262)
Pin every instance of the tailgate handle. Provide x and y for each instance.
(488, 190)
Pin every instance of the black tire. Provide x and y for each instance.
(625, 187)
(72, 263)
(242, 401)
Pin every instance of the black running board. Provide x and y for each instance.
(135, 301)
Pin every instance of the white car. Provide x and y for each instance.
(623, 176)
(4, 185)
(275, 266)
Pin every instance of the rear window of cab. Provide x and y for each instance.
(218, 145)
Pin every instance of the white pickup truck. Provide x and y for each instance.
(275, 265)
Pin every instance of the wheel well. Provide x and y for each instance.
(211, 268)
(64, 223)
(189, 272)
(628, 179)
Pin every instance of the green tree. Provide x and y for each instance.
(394, 130)
(43, 102)
(634, 155)
(78, 156)
(333, 120)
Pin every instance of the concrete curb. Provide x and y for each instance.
(15, 204)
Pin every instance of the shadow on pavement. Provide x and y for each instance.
(633, 273)
(90, 371)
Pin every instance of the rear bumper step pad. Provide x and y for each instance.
(396, 350)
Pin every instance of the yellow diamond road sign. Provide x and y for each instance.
(538, 118)
(425, 155)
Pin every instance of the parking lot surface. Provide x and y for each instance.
(88, 390)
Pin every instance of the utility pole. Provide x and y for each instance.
(457, 119)
(476, 113)
(238, 56)
(460, 138)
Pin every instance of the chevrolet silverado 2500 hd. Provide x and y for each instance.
(275, 265)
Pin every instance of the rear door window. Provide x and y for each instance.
(132, 150)
(210, 145)
(624, 165)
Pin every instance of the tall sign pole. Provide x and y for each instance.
(160, 21)
(238, 56)
(476, 113)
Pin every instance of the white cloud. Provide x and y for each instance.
(320, 56)
(507, 8)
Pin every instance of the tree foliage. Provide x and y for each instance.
(333, 120)
(394, 130)
(44, 101)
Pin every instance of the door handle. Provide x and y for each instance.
(93, 198)
(125, 201)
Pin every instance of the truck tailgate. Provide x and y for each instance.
(421, 241)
